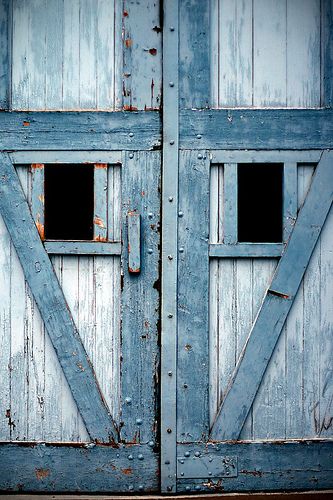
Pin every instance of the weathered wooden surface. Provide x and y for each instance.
(78, 468)
(265, 466)
(265, 54)
(288, 290)
(256, 129)
(79, 131)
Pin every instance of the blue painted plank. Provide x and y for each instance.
(277, 303)
(230, 219)
(193, 298)
(289, 198)
(5, 81)
(50, 300)
(100, 201)
(73, 157)
(134, 242)
(37, 196)
(169, 245)
(79, 131)
(82, 247)
(140, 300)
(256, 129)
(262, 466)
(327, 53)
(194, 54)
(246, 250)
(77, 468)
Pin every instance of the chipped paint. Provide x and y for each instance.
(99, 222)
(42, 473)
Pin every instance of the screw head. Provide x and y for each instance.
(170, 257)
(199, 156)
(170, 374)
(150, 250)
(169, 488)
(131, 155)
(169, 430)
(171, 84)
(180, 214)
(128, 401)
(167, 462)
(140, 456)
(187, 454)
(187, 488)
(140, 487)
(199, 136)
(151, 444)
(170, 198)
(170, 315)
(172, 28)
(150, 215)
(131, 134)
(197, 454)
(130, 457)
(181, 250)
(172, 142)
(139, 421)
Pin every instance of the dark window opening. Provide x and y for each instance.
(69, 202)
(260, 202)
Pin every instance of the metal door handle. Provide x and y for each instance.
(134, 242)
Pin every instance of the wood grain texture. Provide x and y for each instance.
(265, 54)
(81, 468)
(264, 466)
(258, 129)
(286, 281)
(193, 290)
(40, 276)
(79, 131)
(5, 83)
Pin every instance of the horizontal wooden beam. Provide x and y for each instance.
(256, 129)
(88, 157)
(83, 247)
(277, 303)
(275, 465)
(79, 130)
(254, 156)
(77, 467)
(41, 278)
(246, 250)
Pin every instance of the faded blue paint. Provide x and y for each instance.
(5, 73)
(276, 306)
(82, 247)
(256, 129)
(327, 53)
(52, 305)
(134, 242)
(79, 131)
(246, 250)
(100, 201)
(230, 203)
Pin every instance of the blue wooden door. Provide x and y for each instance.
(79, 307)
(246, 311)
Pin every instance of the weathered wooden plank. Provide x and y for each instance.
(264, 466)
(5, 74)
(264, 129)
(83, 247)
(327, 53)
(194, 57)
(142, 52)
(52, 305)
(230, 220)
(134, 242)
(246, 250)
(289, 198)
(100, 201)
(255, 156)
(73, 157)
(140, 300)
(276, 305)
(193, 300)
(169, 249)
(79, 131)
(85, 468)
(37, 196)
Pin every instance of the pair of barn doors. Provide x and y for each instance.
(165, 277)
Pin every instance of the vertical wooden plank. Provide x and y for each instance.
(169, 255)
(142, 46)
(134, 242)
(54, 55)
(5, 332)
(231, 203)
(269, 17)
(289, 198)
(114, 203)
(5, 47)
(71, 55)
(37, 196)
(194, 54)
(36, 60)
(87, 57)
(327, 53)
(235, 53)
(303, 53)
(325, 331)
(105, 55)
(21, 33)
(140, 301)
(214, 44)
(100, 201)
(193, 300)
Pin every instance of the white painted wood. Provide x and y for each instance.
(32, 386)
(265, 53)
(66, 54)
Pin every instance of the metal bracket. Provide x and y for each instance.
(207, 466)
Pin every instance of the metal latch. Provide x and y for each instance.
(207, 466)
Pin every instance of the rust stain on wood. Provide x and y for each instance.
(127, 471)
(99, 222)
(153, 51)
(128, 42)
(37, 165)
(101, 165)
(26, 123)
(42, 473)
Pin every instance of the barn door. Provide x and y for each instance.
(251, 381)
(80, 217)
